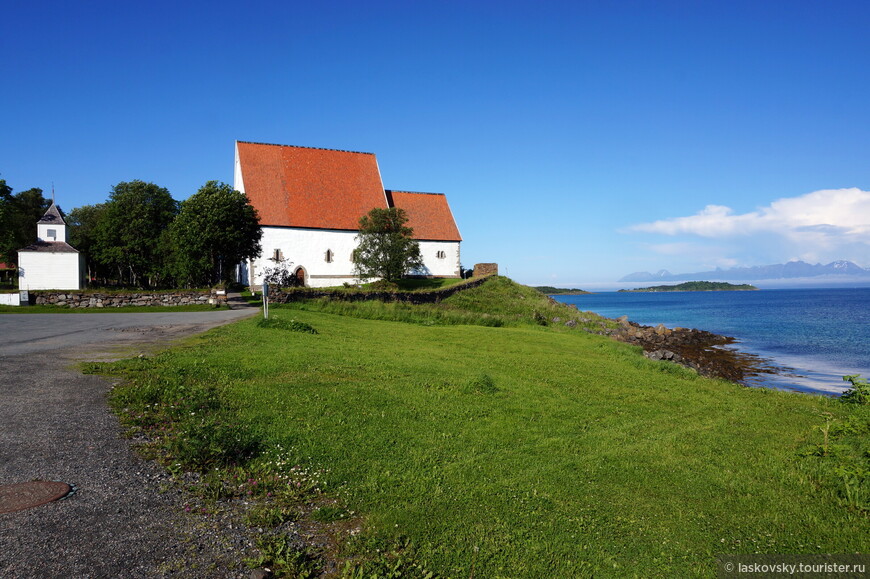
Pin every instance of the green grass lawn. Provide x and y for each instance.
(410, 284)
(524, 451)
(498, 302)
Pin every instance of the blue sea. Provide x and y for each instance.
(816, 336)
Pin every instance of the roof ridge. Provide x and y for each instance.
(302, 147)
(414, 192)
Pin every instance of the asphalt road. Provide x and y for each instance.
(26, 334)
(55, 425)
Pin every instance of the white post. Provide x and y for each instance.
(265, 300)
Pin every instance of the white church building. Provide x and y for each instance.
(310, 201)
(50, 263)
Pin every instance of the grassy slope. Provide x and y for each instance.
(585, 458)
(499, 302)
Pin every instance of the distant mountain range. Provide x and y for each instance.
(790, 270)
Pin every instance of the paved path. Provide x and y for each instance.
(55, 425)
(24, 334)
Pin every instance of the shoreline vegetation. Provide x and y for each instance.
(558, 291)
(494, 433)
(696, 286)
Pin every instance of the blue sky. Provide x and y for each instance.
(577, 141)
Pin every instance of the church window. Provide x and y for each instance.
(329, 256)
(440, 254)
(52, 233)
(277, 255)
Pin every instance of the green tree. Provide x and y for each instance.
(132, 236)
(386, 247)
(6, 235)
(83, 223)
(18, 216)
(216, 229)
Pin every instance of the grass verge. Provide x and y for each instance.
(515, 451)
(499, 302)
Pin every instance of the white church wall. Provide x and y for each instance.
(307, 248)
(440, 258)
(42, 270)
(238, 182)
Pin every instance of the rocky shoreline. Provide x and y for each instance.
(711, 355)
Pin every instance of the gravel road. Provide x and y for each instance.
(55, 425)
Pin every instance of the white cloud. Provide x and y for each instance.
(837, 213)
(823, 225)
(681, 248)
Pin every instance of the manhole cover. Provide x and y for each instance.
(25, 495)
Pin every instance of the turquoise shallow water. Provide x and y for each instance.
(816, 335)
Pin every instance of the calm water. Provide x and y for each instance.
(820, 335)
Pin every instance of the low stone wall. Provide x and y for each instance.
(303, 293)
(77, 299)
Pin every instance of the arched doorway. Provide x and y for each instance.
(300, 276)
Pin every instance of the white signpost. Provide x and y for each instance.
(265, 300)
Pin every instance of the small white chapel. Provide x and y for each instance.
(50, 263)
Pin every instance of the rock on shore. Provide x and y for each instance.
(706, 352)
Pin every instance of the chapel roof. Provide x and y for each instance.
(52, 216)
(428, 214)
(307, 187)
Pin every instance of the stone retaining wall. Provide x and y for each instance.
(76, 299)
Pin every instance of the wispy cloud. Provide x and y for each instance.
(828, 212)
(827, 224)
(709, 255)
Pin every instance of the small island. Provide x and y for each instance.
(697, 286)
(552, 291)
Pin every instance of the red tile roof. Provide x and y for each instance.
(306, 187)
(428, 214)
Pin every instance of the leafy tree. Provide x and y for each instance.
(83, 223)
(131, 236)
(216, 229)
(6, 235)
(386, 248)
(280, 275)
(18, 216)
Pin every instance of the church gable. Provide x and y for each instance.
(51, 227)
